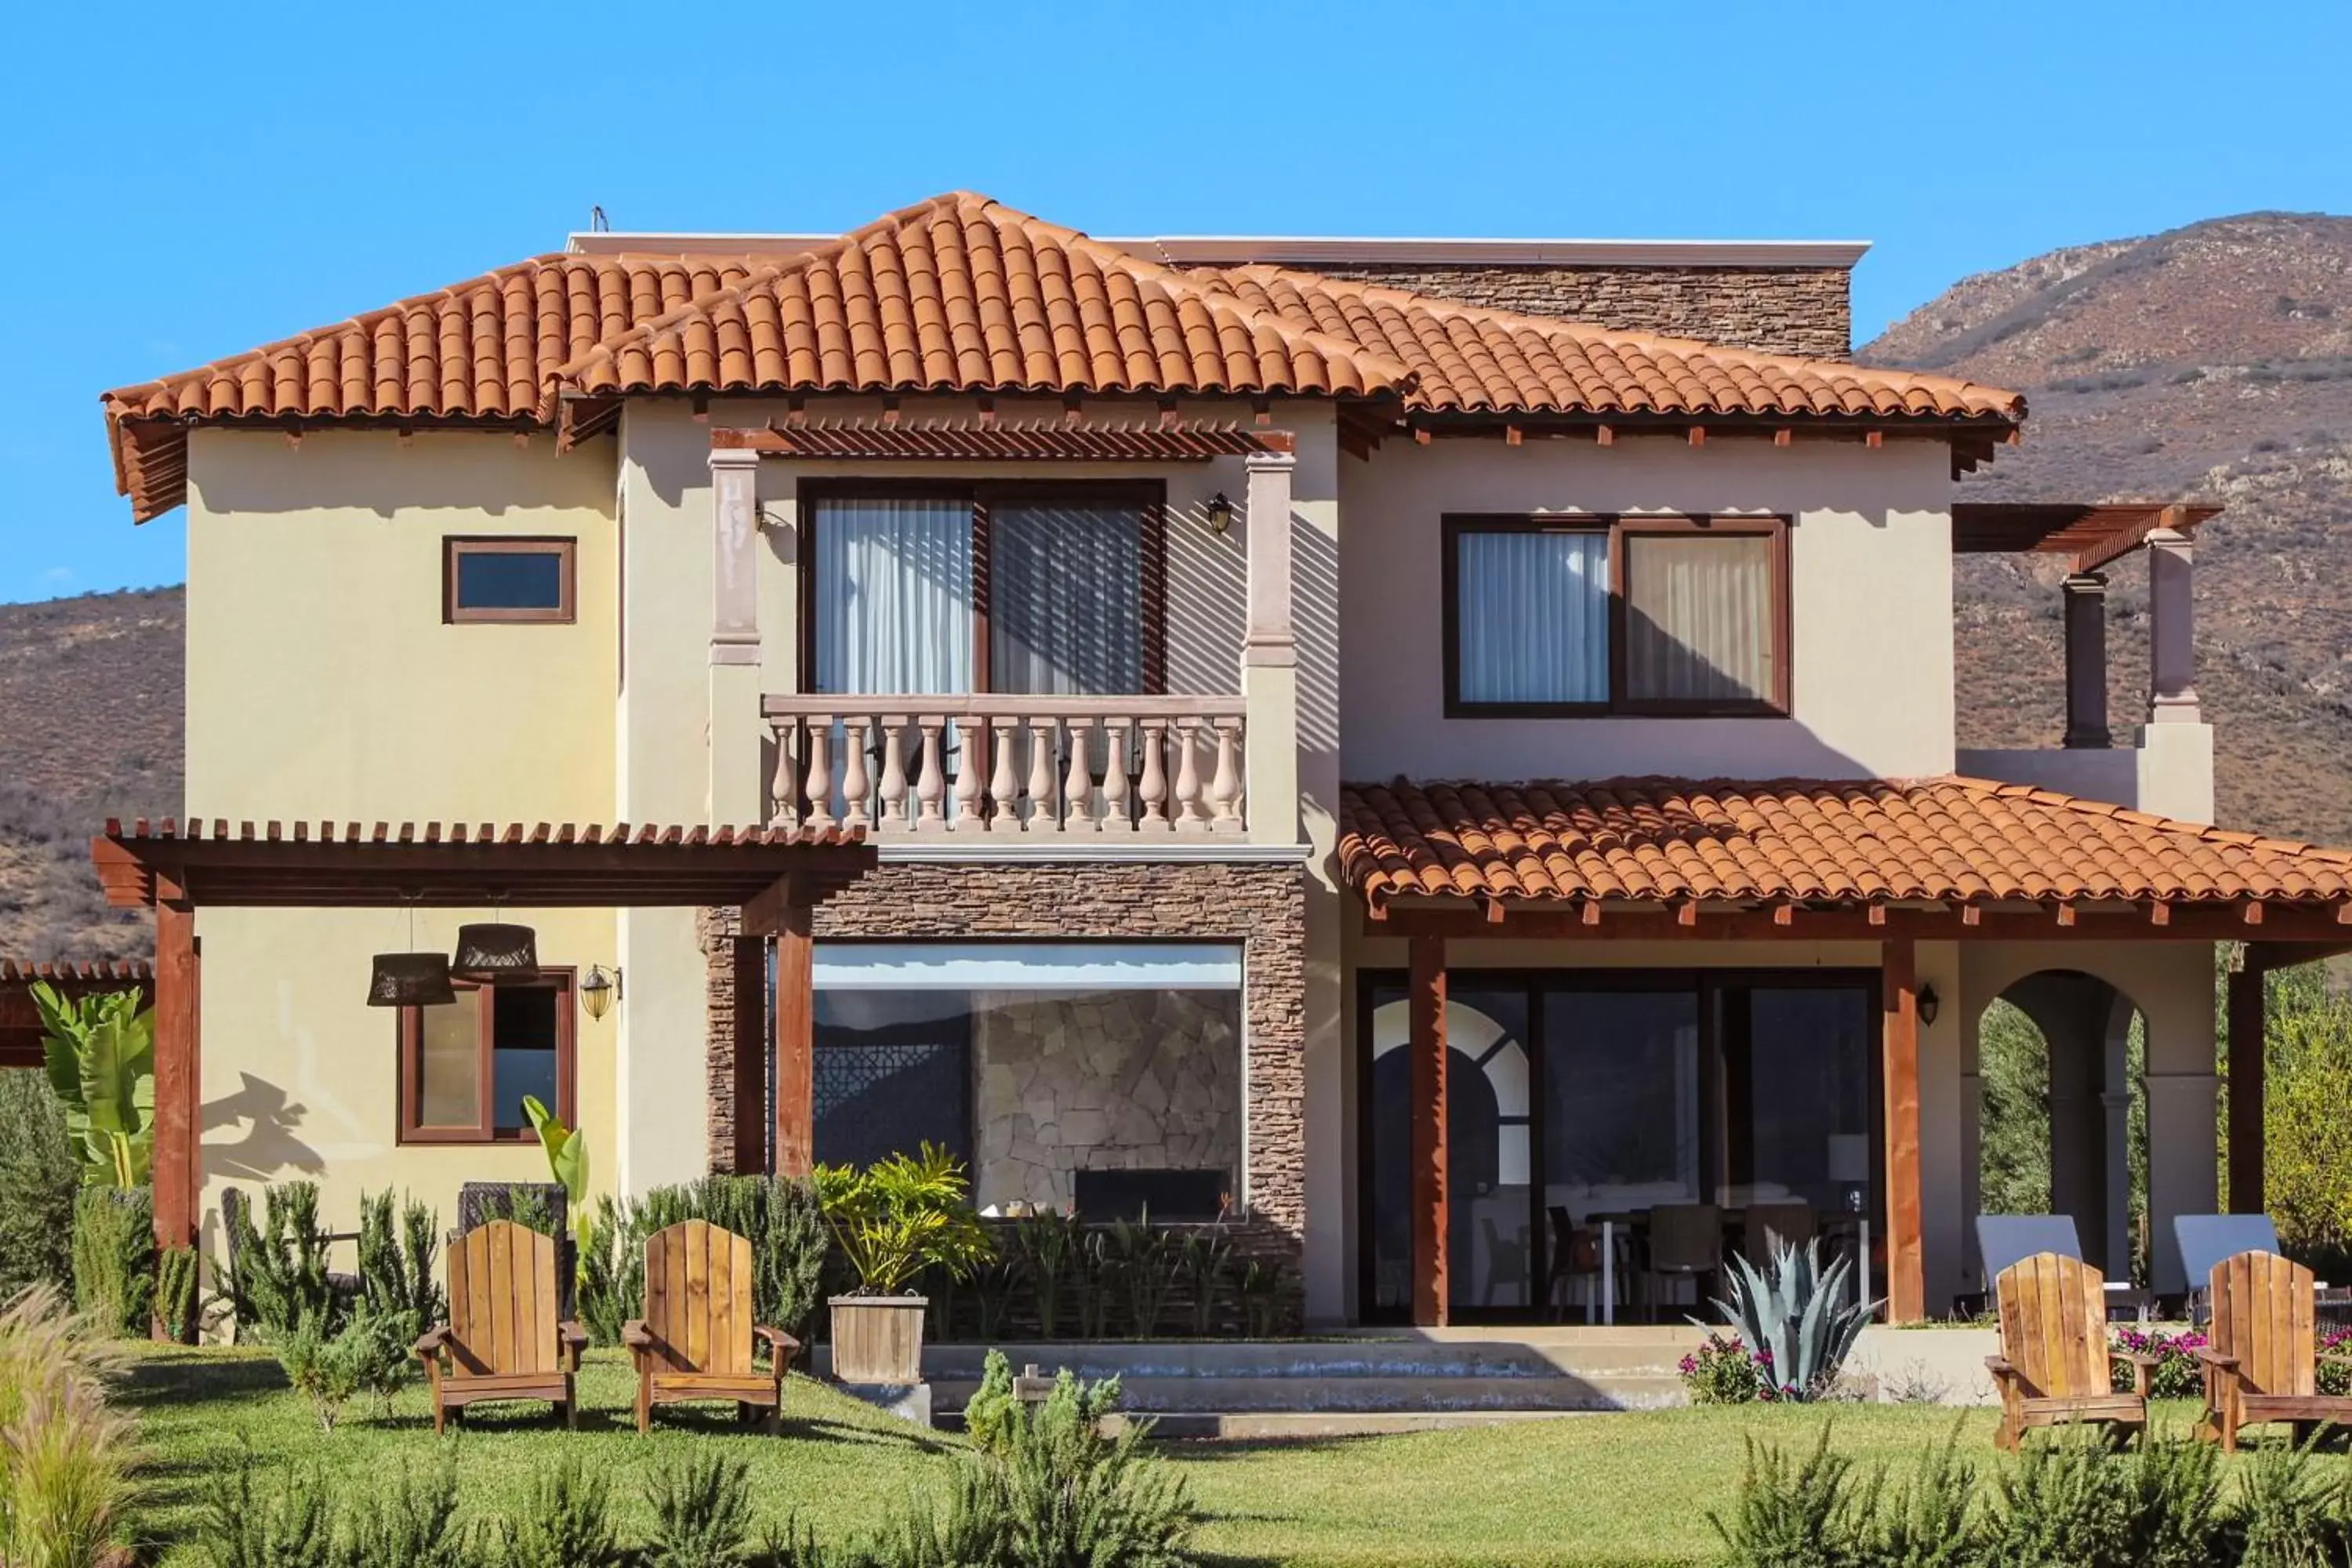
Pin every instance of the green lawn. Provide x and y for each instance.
(1617, 1488)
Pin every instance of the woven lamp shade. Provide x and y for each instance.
(495, 951)
(410, 980)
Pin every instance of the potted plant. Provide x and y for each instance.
(894, 1219)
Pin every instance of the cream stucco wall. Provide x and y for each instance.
(1871, 582)
(321, 682)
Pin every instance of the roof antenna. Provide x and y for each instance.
(597, 221)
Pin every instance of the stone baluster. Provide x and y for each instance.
(1225, 787)
(1115, 816)
(1192, 813)
(1003, 785)
(971, 769)
(783, 789)
(893, 770)
(1045, 817)
(1079, 787)
(855, 786)
(930, 785)
(1153, 790)
(818, 784)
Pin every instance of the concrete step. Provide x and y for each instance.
(1153, 1396)
(1603, 1353)
(1282, 1425)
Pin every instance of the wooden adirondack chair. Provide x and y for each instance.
(2262, 1363)
(503, 1340)
(695, 1341)
(2054, 1360)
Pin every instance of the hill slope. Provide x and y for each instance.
(92, 690)
(2214, 361)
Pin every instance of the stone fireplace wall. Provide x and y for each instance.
(1118, 1080)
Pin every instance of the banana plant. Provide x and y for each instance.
(1797, 1316)
(567, 1161)
(101, 1054)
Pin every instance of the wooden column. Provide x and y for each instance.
(179, 1072)
(2246, 1034)
(2085, 598)
(1906, 1277)
(750, 1085)
(1426, 1007)
(795, 1043)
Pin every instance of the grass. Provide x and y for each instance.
(1618, 1489)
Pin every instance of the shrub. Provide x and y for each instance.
(285, 1523)
(2177, 1374)
(2288, 1514)
(368, 1355)
(177, 1298)
(1796, 1515)
(416, 1524)
(701, 1506)
(65, 1458)
(1724, 1371)
(39, 1175)
(568, 1520)
(2336, 1361)
(902, 1216)
(396, 1264)
(278, 1274)
(991, 1415)
(114, 1257)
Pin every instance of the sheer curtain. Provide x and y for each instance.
(894, 595)
(1699, 619)
(1066, 599)
(1531, 616)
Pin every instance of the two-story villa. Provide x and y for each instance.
(1396, 739)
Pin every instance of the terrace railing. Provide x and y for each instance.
(1007, 766)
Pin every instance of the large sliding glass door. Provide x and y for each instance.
(1606, 1094)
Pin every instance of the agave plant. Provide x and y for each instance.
(1797, 1315)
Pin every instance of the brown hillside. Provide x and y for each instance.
(91, 692)
(2216, 362)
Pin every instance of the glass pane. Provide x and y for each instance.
(510, 579)
(1621, 1101)
(1531, 616)
(893, 1072)
(894, 595)
(1487, 1152)
(1066, 599)
(449, 1064)
(1699, 619)
(1807, 1118)
(522, 1050)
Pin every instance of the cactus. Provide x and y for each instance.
(1797, 1316)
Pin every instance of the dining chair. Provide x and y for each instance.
(1686, 1243)
(1791, 1225)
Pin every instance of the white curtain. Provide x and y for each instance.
(894, 595)
(1699, 619)
(1531, 616)
(1066, 599)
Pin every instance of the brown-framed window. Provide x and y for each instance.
(950, 588)
(1556, 616)
(465, 1067)
(508, 578)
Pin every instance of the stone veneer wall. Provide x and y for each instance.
(1121, 1082)
(1779, 309)
(1259, 904)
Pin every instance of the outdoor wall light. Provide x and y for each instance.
(1220, 513)
(1929, 1003)
(599, 990)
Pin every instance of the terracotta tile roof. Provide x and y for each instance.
(965, 294)
(1955, 840)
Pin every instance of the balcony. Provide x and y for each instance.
(1010, 768)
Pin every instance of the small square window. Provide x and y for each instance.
(465, 1066)
(508, 580)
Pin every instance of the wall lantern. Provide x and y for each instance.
(1929, 1003)
(1220, 513)
(410, 979)
(493, 951)
(599, 990)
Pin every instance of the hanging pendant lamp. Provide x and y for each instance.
(493, 951)
(410, 979)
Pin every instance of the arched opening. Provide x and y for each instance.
(2062, 1072)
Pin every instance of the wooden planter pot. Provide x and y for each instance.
(878, 1339)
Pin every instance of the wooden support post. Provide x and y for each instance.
(1906, 1279)
(1427, 1010)
(2246, 1033)
(795, 1043)
(750, 954)
(179, 1072)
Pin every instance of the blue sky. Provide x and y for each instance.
(182, 183)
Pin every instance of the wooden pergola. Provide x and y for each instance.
(776, 877)
(21, 1045)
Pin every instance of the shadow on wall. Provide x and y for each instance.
(268, 1148)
